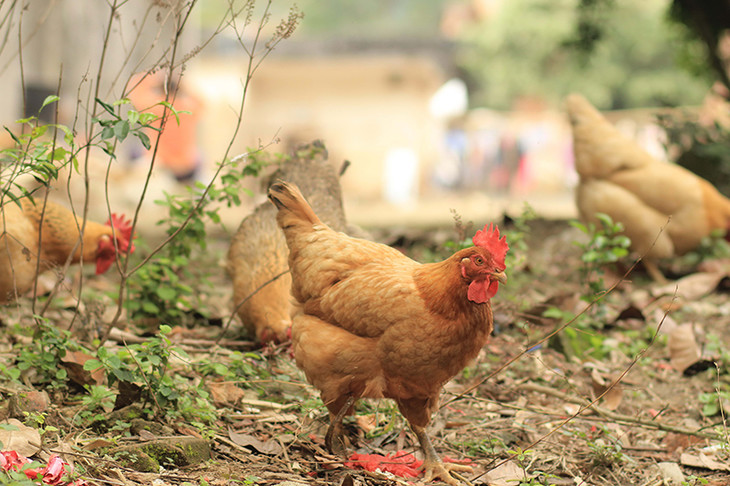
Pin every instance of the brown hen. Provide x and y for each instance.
(29, 233)
(375, 324)
(619, 178)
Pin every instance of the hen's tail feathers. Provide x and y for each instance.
(293, 208)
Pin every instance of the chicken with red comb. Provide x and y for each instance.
(372, 323)
(35, 237)
(106, 252)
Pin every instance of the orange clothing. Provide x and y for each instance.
(178, 147)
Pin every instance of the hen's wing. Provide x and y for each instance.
(360, 286)
(335, 361)
(642, 223)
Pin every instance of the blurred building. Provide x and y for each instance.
(366, 100)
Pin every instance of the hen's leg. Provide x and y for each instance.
(653, 270)
(433, 466)
(334, 439)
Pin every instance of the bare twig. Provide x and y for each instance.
(616, 417)
(584, 405)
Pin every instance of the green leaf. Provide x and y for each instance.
(92, 365)
(166, 293)
(553, 313)
(710, 409)
(49, 99)
(107, 132)
(12, 135)
(121, 129)
(144, 139)
(59, 153)
(107, 107)
(150, 308)
(39, 131)
(133, 116)
(579, 225)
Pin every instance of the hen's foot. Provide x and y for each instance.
(433, 466)
(334, 440)
(443, 471)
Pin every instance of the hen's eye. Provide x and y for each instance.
(478, 260)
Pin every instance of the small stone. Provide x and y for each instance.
(671, 473)
(28, 402)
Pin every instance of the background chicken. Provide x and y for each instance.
(58, 236)
(376, 324)
(258, 251)
(619, 178)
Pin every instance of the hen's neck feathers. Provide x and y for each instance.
(444, 290)
(60, 233)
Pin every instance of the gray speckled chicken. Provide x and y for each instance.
(258, 250)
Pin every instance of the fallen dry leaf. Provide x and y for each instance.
(692, 286)
(74, 363)
(715, 265)
(225, 393)
(24, 440)
(366, 422)
(97, 444)
(683, 348)
(129, 393)
(508, 474)
(674, 441)
(612, 398)
(702, 460)
(269, 447)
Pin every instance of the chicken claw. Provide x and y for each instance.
(334, 440)
(442, 471)
(433, 466)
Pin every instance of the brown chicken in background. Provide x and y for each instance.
(619, 178)
(375, 324)
(21, 232)
(258, 251)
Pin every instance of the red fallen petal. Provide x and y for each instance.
(12, 460)
(401, 463)
(53, 472)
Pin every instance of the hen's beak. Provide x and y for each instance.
(501, 277)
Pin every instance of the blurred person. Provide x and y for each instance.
(178, 149)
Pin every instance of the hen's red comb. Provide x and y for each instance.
(123, 229)
(489, 238)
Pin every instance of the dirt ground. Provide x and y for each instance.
(632, 393)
